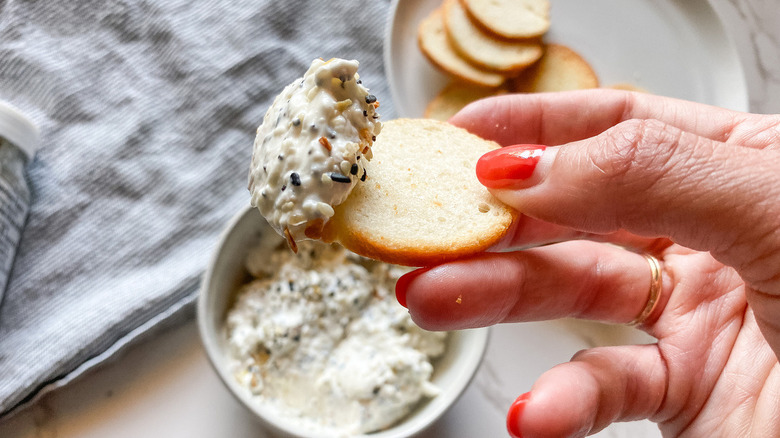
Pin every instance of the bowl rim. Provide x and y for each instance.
(475, 339)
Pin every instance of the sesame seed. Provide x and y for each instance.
(363, 178)
(325, 209)
(295, 179)
(280, 157)
(354, 169)
(296, 122)
(370, 98)
(284, 187)
(337, 177)
(345, 166)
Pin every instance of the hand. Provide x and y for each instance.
(696, 186)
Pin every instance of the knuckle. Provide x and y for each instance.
(763, 132)
(636, 152)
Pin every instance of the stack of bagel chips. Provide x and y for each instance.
(490, 47)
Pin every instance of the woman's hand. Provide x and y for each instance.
(697, 187)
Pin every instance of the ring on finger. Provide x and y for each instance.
(656, 283)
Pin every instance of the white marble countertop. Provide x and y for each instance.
(164, 387)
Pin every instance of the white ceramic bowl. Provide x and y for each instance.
(224, 276)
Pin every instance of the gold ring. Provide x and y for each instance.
(656, 284)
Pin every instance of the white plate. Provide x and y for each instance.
(676, 48)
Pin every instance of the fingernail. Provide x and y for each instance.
(508, 167)
(515, 415)
(403, 284)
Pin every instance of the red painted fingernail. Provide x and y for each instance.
(403, 284)
(507, 167)
(515, 414)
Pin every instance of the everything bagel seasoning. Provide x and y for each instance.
(311, 138)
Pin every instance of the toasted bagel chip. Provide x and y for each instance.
(484, 50)
(511, 18)
(454, 97)
(422, 203)
(560, 69)
(436, 46)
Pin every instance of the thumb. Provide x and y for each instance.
(653, 180)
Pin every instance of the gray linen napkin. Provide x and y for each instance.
(148, 111)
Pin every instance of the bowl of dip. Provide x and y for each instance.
(267, 318)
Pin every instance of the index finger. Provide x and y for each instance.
(554, 119)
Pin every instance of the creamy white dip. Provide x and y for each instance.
(320, 339)
(310, 149)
